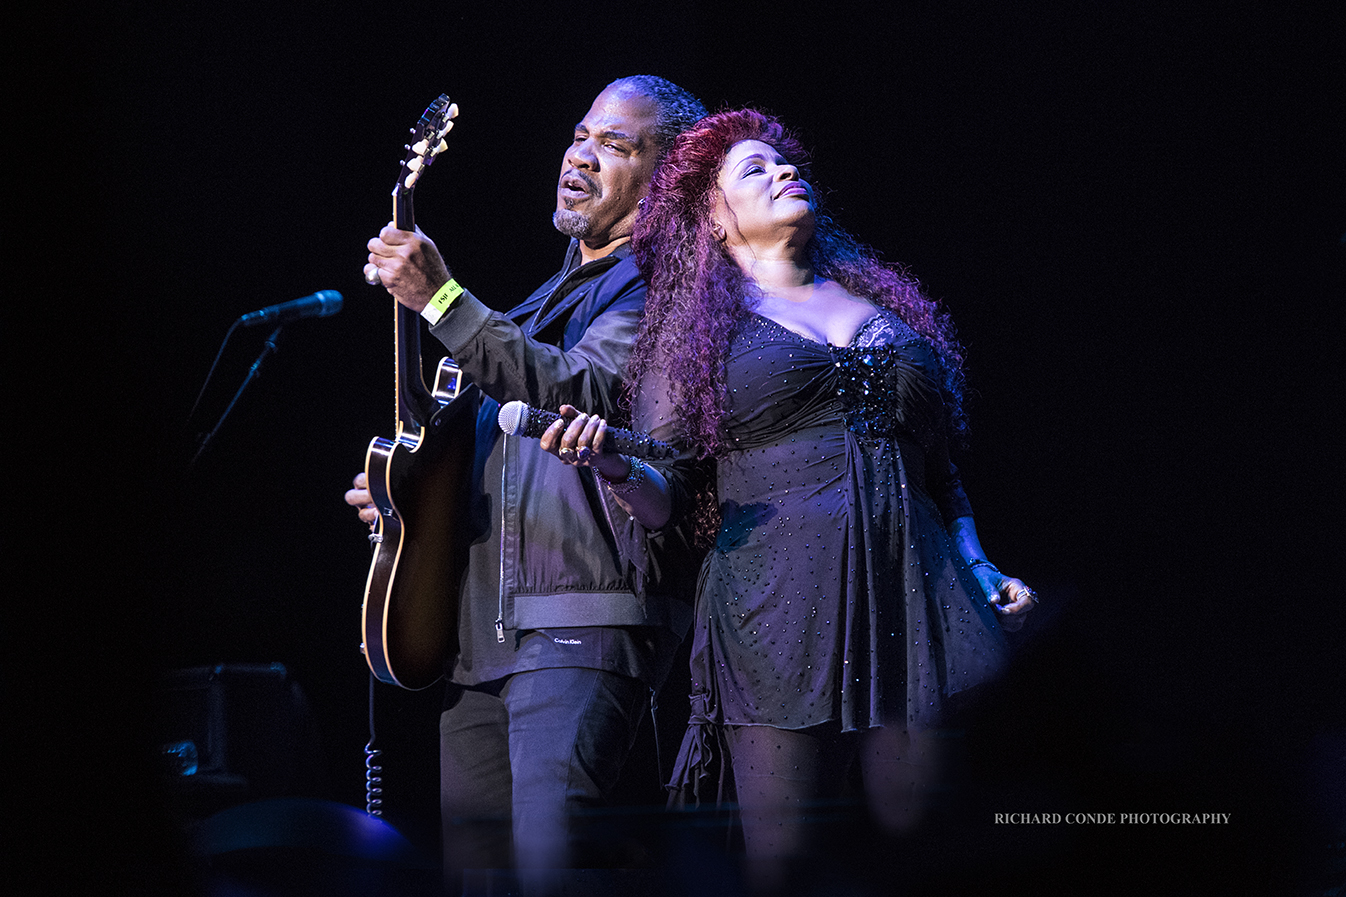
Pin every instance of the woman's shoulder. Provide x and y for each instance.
(886, 327)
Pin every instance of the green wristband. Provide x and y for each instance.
(442, 301)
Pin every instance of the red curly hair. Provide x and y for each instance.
(699, 298)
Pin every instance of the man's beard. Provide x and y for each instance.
(572, 223)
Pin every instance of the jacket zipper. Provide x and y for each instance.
(532, 328)
(500, 596)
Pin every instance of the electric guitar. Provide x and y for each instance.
(418, 480)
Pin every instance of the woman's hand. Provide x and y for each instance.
(1011, 598)
(577, 439)
(641, 491)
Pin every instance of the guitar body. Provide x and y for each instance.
(419, 485)
(418, 481)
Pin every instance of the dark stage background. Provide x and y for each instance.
(1134, 214)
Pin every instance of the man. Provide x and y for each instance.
(563, 633)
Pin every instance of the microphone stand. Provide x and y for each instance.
(269, 348)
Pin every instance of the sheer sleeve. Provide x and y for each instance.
(942, 479)
(690, 479)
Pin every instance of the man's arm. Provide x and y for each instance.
(495, 352)
(508, 365)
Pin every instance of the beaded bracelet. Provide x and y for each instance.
(635, 478)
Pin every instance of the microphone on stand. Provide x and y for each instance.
(519, 419)
(319, 305)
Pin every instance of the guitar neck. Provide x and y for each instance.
(414, 399)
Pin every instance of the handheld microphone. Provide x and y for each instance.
(319, 305)
(518, 419)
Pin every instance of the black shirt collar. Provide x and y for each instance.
(574, 260)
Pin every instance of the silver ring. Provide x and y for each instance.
(584, 453)
(566, 453)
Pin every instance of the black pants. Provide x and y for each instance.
(522, 755)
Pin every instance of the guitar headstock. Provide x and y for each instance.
(427, 140)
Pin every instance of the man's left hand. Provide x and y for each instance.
(408, 264)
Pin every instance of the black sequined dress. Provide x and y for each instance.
(834, 592)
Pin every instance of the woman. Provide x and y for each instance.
(846, 600)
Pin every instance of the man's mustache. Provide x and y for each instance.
(590, 184)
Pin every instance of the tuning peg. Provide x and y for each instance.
(452, 111)
(411, 179)
(419, 147)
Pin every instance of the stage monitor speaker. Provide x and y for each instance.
(232, 733)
